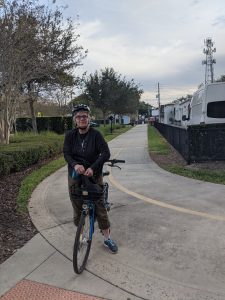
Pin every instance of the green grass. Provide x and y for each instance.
(158, 145)
(21, 137)
(31, 181)
(117, 130)
(204, 175)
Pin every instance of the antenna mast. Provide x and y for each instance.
(209, 61)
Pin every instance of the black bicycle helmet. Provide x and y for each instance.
(81, 107)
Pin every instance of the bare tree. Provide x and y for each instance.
(59, 54)
(11, 58)
(36, 47)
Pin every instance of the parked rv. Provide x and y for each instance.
(207, 105)
(174, 113)
(167, 113)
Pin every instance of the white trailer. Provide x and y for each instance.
(184, 108)
(167, 113)
(207, 105)
(173, 113)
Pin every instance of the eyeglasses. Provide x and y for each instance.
(82, 117)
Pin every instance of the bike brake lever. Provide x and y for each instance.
(111, 165)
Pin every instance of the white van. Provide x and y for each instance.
(207, 105)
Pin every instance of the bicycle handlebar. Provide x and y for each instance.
(115, 161)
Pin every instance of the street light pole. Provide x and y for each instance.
(158, 97)
(111, 119)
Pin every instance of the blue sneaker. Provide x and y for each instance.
(111, 245)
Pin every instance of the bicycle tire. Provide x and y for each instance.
(82, 244)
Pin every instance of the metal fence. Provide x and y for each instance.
(177, 137)
(196, 143)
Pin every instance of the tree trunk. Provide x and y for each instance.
(7, 129)
(34, 121)
(104, 119)
(4, 124)
(31, 100)
(2, 131)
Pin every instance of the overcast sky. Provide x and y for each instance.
(151, 41)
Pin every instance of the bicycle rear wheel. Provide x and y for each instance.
(82, 244)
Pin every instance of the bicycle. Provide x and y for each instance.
(85, 230)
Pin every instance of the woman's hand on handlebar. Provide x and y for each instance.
(79, 169)
(89, 172)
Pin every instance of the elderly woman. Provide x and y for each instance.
(85, 151)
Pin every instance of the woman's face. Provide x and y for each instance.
(82, 119)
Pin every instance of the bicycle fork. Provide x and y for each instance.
(90, 210)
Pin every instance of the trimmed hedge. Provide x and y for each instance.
(56, 124)
(5, 164)
(26, 151)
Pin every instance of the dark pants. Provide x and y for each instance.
(100, 210)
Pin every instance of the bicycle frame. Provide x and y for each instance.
(89, 208)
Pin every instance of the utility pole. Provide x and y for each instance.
(209, 61)
(158, 97)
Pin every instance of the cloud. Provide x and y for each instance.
(149, 61)
(220, 20)
(195, 2)
(90, 29)
(173, 63)
(151, 40)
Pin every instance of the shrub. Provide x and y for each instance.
(28, 149)
(56, 124)
(5, 164)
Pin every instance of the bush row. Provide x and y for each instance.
(56, 124)
(19, 155)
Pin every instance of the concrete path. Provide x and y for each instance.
(170, 231)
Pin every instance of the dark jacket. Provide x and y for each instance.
(89, 150)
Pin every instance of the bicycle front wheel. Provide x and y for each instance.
(82, 244)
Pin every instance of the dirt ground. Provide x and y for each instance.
(176, 159)
(15, 228)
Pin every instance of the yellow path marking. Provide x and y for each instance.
(163, 204)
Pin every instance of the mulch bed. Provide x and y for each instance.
(15, 228)
(174, 158)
